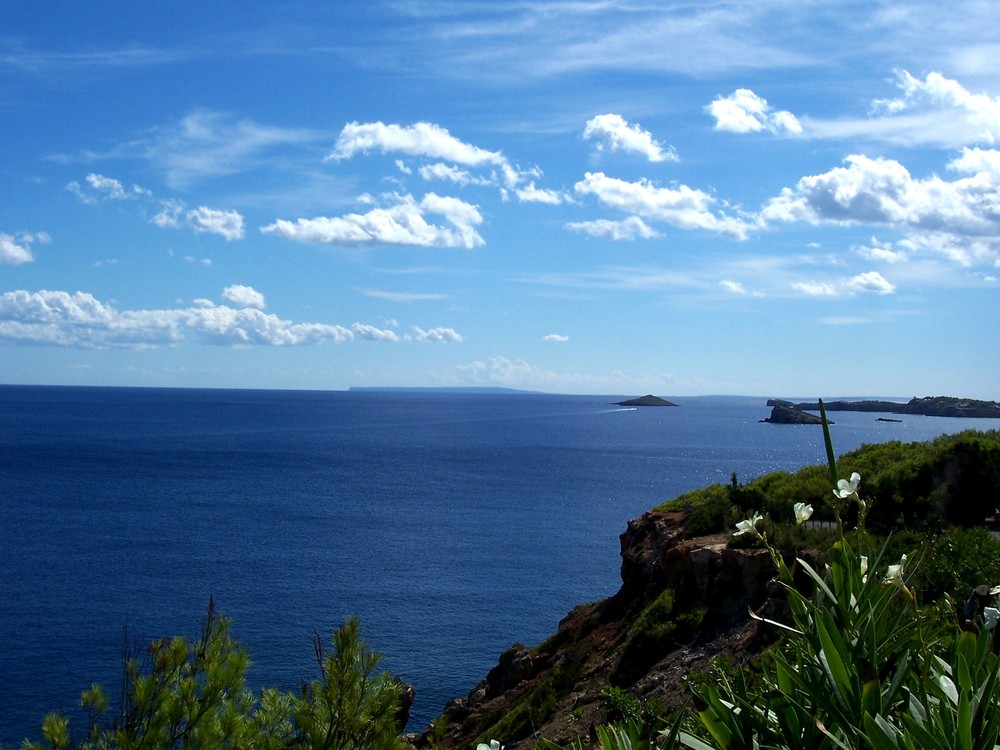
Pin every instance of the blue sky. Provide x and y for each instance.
(769, 197)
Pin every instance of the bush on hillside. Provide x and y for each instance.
(183, 695)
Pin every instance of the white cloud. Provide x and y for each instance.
(430, 141)
(226, 224)
(935, 111)
(451, 173)
(98, 186)
(681, 207)
(627, 229)
(556, 338)
(401, 222)
(169, 212)
(371, 333)
(16, 250)
(78, 319)
(733, 286)
(532, 194)
(743, 111)
(422, 139)
(872, 281)
(881, 251)
(959, 214)
(243, 296)
(437, 335)
(977, 116)
(110, 187)
(815, 289)
(169, 216)
(615, 133)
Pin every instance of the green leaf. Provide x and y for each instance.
(964, 723)
(881, 734)
(689, 740)
(834, 657)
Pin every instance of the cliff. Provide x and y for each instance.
(682, 601)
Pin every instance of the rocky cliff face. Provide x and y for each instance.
(682, 601)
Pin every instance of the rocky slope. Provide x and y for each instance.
(682, 602)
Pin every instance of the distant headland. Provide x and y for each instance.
(929, 406)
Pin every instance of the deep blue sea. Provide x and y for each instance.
(451, 524)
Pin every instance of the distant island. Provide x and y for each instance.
(929, 406)
(786, 413)
(647, 400)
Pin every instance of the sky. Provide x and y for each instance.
(790, 198)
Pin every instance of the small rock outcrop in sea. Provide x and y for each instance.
(647, 400)
(788, 415)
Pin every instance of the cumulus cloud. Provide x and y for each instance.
(872, 281)
(243, 296)
(869, 282)
(226, 224)
(170, 213)
(401, 222)
(97, 186)
(15, 250)
(614, 133)
(556, 338)
(532, 194)
(627, 229)
(451, 173)
(422, 139)
(958, 217)
(743, 111)
(78, 319)
(453, 160)
(881, 251)
(437, 335)
(682, 207)
(371, 333)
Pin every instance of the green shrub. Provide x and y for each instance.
(181, 695)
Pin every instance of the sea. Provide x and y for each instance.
(452, 524)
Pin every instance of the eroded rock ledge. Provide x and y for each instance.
(682, 601)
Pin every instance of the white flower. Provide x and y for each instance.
(802, 513)
(847, 488)
(864, 565)
(992, 614)
(749, 526)
(894, 573)
(494, 745)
